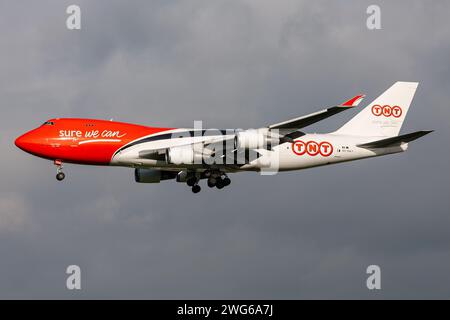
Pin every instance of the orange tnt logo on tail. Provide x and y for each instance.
(386, 111)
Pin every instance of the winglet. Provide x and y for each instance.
(353, 102)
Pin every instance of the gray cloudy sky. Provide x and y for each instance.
(305, 234)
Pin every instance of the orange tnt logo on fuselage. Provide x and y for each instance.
(312, 148)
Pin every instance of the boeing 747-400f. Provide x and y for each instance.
(189, 155)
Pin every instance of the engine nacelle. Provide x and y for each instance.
(254, 139)
(152, 175)
(183, 155)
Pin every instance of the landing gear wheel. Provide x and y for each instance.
(191, 181)
(212, 182)
(196, 189)
(226, 181)
(220, 184)
(60, 176)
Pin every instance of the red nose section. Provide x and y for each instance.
(33, 142)
(23, 142)
(84, 141)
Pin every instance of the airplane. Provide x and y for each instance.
(190, 155)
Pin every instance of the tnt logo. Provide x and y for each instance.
(312, 148)
(386, 111)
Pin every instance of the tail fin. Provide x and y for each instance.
(385, 115)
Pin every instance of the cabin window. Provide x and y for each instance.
(48, 123)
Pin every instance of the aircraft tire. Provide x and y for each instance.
(60, 176)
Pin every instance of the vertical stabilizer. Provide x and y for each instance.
(385, 115)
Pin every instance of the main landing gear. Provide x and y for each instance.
(196, 188)
(216, 179)
(59, 174)
(218, 182)
(193, 182)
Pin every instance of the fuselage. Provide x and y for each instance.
(101, 142)
(190, 155)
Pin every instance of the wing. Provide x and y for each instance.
(301, 122)
(288, 131)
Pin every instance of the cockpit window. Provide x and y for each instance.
(48, 123)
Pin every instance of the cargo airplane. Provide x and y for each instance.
(190, 155)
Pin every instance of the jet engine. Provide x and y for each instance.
(255, 139)
(152, 175)
(183, 155)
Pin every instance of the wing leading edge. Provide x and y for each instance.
(304, 121)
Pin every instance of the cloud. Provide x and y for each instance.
(14, 213)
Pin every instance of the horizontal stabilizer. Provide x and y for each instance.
(395, 141)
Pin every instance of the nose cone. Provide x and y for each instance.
(22, 141)
(27, 142)
(34, 142)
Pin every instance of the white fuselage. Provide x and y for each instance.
(310, 150)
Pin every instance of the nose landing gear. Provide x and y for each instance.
(59, 174)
